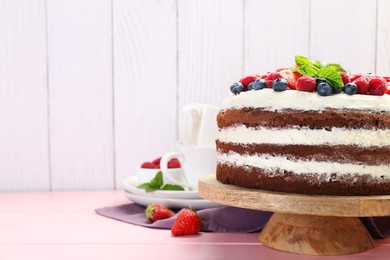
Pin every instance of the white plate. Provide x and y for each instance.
(131, 186)
(171, 203)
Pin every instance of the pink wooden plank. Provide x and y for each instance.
(164, 251)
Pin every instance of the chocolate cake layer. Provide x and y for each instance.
(335, 153)
(343, 185)
(327, 119)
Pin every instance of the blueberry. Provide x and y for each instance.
(324, 89)
(279, 84)
(319, 80)
(337, 90)
(237, 88)
(257, 84)
(351, 89)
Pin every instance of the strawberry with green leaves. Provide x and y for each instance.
(156, 212)
(187, 223)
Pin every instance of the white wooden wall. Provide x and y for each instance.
(89, 89)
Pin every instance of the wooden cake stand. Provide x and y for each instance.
(304, 224)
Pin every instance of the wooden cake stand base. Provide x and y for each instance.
(304, 224)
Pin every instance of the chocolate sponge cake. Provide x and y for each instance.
(302, 142)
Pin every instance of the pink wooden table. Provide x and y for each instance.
(63, 225)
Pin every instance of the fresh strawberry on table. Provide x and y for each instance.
(156, 212)
(186, 223)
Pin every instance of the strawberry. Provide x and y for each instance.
(345, 77)
(245, 81)
(173, 163)
(377, 86)
(147, 165)
(156, 212)
(291, 77)
(186, 223)
(271, 77)
(355, 76)
(306, 83)
(362, 85)
(388, 88)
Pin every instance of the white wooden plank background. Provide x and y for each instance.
(383, 40)
(344, 32)
(145, 82)
(24, 155)
(275, 31)
(210, 49)
(89, 89)
(80, 103)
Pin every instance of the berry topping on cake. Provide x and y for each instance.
(324, 89)
(187, 223)
(236, 88)
(344, 77)
(271, 77)
(309, 76)
(245, 81)
(279, 84)
(350, 88)
(377, 86)
(306, 83)
(355, 76)
(257, 84)
(362, 85)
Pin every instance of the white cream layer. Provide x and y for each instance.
(299, 100)
(271, 164)
(284, 136)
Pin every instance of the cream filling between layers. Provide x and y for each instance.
(269, 99)
(272, 163)
(285, 136)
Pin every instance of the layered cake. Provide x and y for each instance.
(303, 130)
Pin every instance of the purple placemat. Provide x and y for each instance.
(224, 219)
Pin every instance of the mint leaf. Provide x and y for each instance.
(336, 67)
(172, 187)
(305, 66)
(157, 184)
(148, 187)
(319, 64)
(154, 184)
(332, 76)
(157, 181)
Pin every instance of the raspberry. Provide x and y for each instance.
(345, 77)
(387, 78)
(388, 88)
(271, 77)
(173, 163)
(147, 165)
(355, 76)
(306, 83)
(245, 81)
(377, 86)
(362, 85)
(156, 162)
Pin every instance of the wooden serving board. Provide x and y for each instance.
(305, 224)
